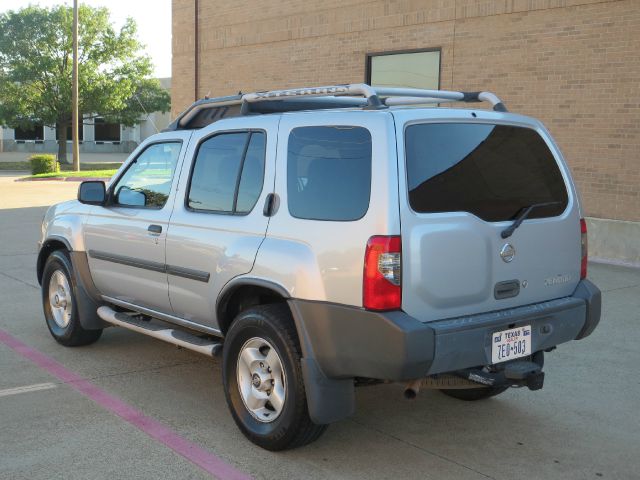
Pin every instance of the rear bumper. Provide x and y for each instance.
(346, 342)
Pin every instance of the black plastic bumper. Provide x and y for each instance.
(340, 343)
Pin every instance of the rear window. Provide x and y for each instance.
(491, 171)
(329, 172)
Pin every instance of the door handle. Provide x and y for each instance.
(271, 205)
(154, 229)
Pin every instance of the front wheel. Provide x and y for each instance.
(263, 379)
(59, 303)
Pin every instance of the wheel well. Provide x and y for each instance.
(241, 298)
(47, 249)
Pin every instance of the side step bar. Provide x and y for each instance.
(180, 338)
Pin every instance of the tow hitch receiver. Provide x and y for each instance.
(517, 373)
(528, 372)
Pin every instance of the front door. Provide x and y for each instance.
(125, 240)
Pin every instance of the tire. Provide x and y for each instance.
(266, 335)
(62, 317)
(473, 394)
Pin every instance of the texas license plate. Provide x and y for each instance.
(510, 344)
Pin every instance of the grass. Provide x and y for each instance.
(106, 173)
(84, 167)
(91, 166)
(88, 170)
(15, 166)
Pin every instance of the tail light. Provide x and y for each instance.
(584, 245)
(382, 289)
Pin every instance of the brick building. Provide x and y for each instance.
(572, 63)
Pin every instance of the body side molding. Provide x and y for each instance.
(192, 274)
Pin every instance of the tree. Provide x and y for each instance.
(35, 70)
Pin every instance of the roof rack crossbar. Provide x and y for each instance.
(390, 96)
(352, 90)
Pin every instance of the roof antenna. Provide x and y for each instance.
(146, 113)
(207, 97)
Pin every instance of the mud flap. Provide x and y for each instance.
(328, 399)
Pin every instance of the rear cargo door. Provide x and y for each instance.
(465, 180)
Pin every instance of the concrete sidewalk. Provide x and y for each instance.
(584, 424)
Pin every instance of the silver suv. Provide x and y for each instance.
(325, 238)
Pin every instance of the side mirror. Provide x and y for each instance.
(92, 192)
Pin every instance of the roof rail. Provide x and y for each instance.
(409, 96)
(292, 99)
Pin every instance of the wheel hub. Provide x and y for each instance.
(60, 299)
(261, 379)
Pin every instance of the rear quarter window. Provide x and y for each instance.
(329, 172)
(491, 171)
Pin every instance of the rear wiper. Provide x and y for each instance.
(507, 232)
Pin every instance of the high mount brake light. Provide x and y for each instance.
(382, 279)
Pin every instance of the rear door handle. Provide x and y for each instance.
(271, 205)
(154, 229)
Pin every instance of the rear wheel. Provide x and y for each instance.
(263, 379)
(59, 303)
(473, 394)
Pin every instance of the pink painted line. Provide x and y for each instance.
(209, 462)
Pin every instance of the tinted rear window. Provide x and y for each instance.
(492, 171)
(329, 172)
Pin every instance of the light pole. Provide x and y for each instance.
(74, 93)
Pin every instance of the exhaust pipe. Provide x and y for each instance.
(412, 389)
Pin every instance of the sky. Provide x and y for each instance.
(152, 16)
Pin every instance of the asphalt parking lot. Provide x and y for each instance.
(127, 406)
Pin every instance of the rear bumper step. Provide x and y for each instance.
(516, 373)
(179, 338)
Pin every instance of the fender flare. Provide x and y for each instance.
(88, 297)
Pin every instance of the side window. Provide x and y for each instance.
(329, 172)
(147, 182)
(252, 178)
(228, 173)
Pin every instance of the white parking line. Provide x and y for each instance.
(27, 389)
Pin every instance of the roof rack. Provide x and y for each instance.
(208, 110)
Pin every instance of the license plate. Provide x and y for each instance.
(510, 344)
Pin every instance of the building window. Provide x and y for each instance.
(33, 133)
(70, 132)
(415, 69)
(106, 132)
